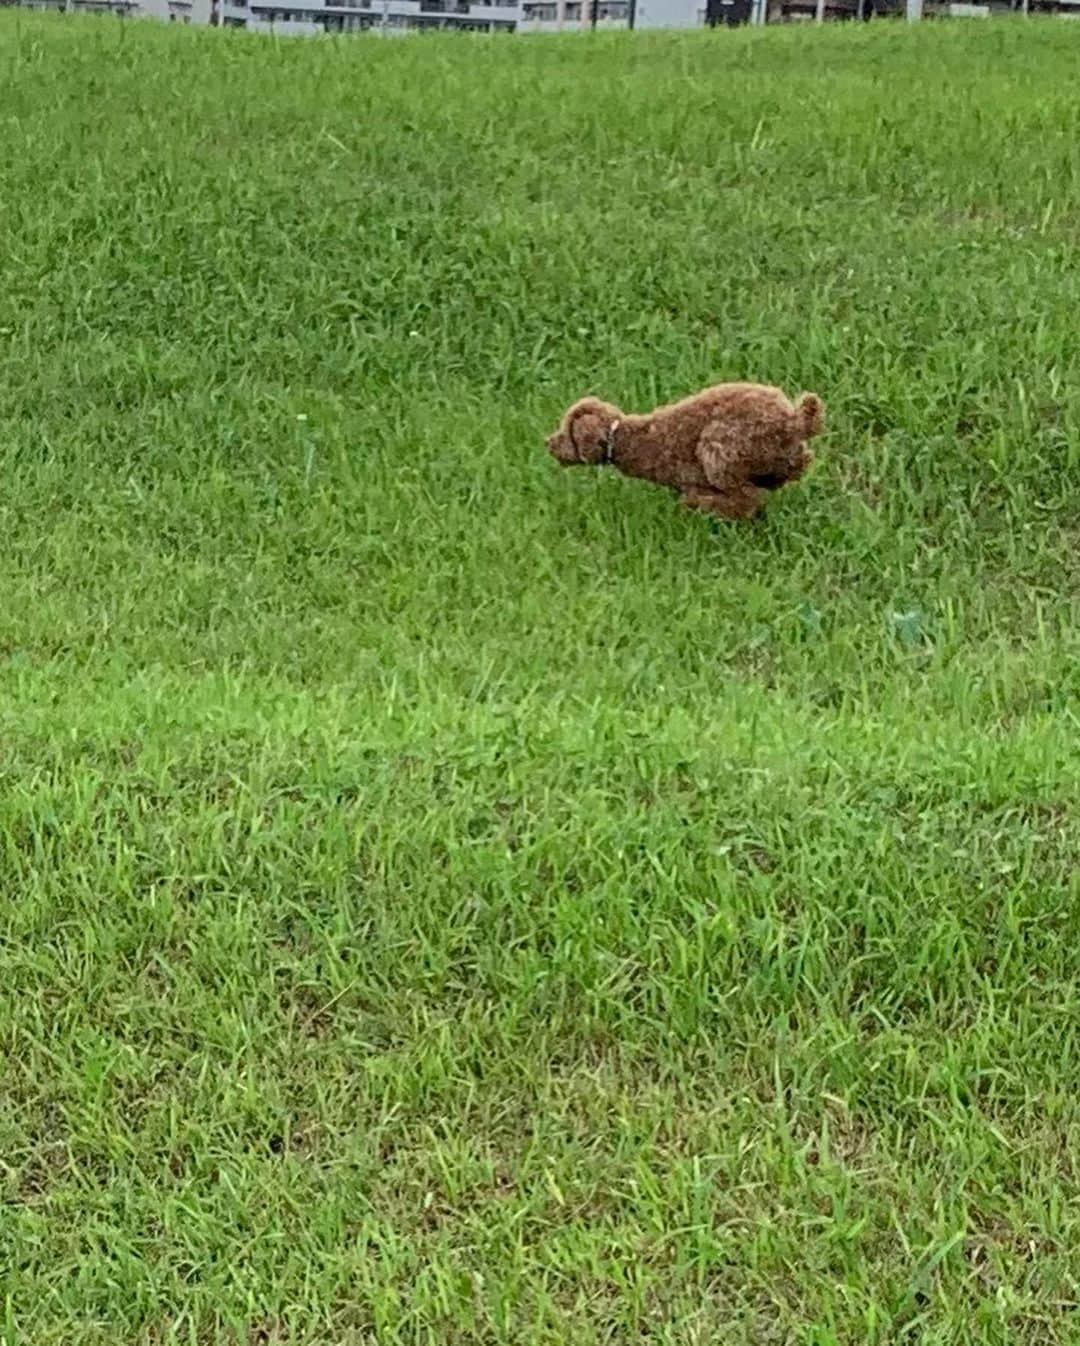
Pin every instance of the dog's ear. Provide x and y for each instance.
(587, 426)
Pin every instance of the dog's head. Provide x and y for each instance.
(583, 435)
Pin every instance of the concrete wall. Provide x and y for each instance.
(670, 13)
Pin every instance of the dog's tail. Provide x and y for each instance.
(810, 411)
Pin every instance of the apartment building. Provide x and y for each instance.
(311, 17)
(538, 16)
(548, 16)
(351, 16)
(525, 16)
(177, 11)
(393, 17)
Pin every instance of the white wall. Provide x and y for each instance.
(669, 13)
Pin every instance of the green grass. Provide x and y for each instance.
(452, 900)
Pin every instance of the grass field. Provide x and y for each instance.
(448, 899)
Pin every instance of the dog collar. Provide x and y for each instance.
(609, 443)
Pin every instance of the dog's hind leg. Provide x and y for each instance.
(741, 502)
(737, 459)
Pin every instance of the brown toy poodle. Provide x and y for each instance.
(721, 449)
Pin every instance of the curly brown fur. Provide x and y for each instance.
(722, 449)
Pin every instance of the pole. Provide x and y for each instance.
(914, 11)
(631, 14)
(820, 16)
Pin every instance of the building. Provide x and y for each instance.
(552, 16)
(177, 11)
(351, 16)
(312, 17)
(555, 16)
(525, 16)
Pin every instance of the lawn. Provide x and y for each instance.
(449, 899)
